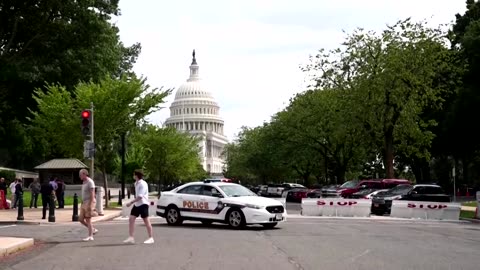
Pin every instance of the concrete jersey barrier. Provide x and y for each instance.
(425, 210)
(336, 207)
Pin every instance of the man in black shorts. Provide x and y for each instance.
(140, 208)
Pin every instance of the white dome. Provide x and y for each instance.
(195, 105)
(195, 111)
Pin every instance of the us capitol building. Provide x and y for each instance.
(195, 111)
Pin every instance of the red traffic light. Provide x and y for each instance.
(86, 114)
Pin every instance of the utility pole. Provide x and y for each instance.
(454, 188)
(92, 164)
(122, 171)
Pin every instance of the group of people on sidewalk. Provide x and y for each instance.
(140, 207)
(55, 187)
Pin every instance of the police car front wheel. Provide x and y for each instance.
(235, 218)
(173, 216)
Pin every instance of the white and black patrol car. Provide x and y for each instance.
(222, 202)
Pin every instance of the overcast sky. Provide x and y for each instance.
(249, 51)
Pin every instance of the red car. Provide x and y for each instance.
(348, 190)
(353, 186)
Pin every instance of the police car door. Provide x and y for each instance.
(189, 201)
(212, 197)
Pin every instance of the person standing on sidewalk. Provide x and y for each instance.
(12, 190)
(60, 193)
(18, 191)
(87, 209)
(46, 190)
(140, 208)
(35, 188)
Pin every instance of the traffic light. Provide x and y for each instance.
(86, 122)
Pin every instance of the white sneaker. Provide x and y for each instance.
(129, 240)
(149, 241)
(90, 238)
(95, 231)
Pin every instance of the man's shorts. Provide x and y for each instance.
(141, 210)
(86, 211)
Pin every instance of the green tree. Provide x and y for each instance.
(53, 42)
(174, 155)
(391, 77)
(460, 126)
(119, 106)
(321, 122)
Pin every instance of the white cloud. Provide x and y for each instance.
(249, 51)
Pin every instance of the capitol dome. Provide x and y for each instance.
(195, 110)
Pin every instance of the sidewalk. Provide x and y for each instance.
(34, 216)
(10, 245)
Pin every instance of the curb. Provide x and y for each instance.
(17, 245)
(20, 222)
(472, 220)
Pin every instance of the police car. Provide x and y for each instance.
(222, 202)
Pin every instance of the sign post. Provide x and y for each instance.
(454, 188)
(477, 215)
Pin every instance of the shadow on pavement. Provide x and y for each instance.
(214, 226)
(108, 245)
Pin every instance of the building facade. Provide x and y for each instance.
(195, 111)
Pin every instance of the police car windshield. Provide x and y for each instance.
(236, 191)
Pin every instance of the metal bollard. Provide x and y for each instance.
(109, 195)
(20, 207)
(51, 209)
(99, 198)
(75, 207)
(128, 193)
(120, 198)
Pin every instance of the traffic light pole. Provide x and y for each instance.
(92, 164)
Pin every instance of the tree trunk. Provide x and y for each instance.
(340, 174)
(105, 186)
(388, 156)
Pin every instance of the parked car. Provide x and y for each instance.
(275, 190)
(367, 193)
(382, 202)
(296, 194)
(353, 186)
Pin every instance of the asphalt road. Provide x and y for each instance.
(318, 243)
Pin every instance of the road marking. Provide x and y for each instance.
(7, 226)
(360, 255)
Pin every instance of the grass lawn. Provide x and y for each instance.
(467, 214)
(472, 203)
(27, 195)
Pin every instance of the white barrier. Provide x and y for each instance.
(152, 209)
(425, 210)
(336, 207)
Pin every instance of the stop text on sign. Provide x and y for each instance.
(341, 203)
(429, 206)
